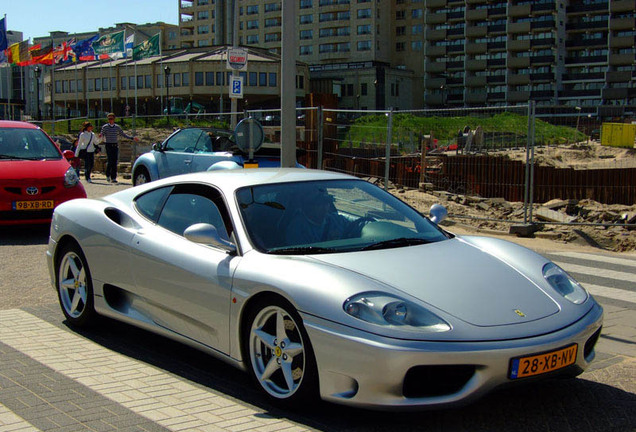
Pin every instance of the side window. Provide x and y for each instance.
(188, 205)
(183, 141)
(204, 145)
(150, 203)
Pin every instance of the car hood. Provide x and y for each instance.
(27, 169)
(457, 278)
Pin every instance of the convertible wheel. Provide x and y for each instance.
(141, 177)
(280, 354)
(74, 286)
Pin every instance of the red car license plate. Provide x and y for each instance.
(538, 364)
(33, 205)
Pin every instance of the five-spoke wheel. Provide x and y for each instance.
(74, 286)
(141, 176)
(279, 352)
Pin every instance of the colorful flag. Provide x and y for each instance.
(84, 49)
(3, 35)
(147, 48)
(19, 52)
(39, 53)
(64, 53)
(130, 41)
(109, 44)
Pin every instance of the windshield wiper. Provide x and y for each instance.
(301, 250)
(16, 157)
(395, 243)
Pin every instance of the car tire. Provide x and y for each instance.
(278, 353)
(75, 286)
(141, 176)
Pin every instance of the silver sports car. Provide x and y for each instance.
(321, 284)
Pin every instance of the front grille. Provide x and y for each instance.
(47, 189)
(436, 380)
(591, 342)
(14, 190)
(19, 191)
(25, 215)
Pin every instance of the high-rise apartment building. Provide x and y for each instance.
(570, 56)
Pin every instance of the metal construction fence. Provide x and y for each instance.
(490, 152)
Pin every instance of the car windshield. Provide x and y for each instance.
(330, 216)
(26, 144)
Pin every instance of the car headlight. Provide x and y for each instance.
(388, 310)
(564, 284)
(70, 177)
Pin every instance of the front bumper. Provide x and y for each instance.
(361, 369)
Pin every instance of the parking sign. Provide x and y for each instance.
(236, 87)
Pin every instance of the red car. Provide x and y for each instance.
(35, 176)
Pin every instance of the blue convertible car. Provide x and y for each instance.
(198, 149)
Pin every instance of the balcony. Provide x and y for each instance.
(496, 46)
(518, 79)
(436, 51)
(542, 24)
(455, 65)
(584, 76)
(476, 81)
(591, 8)
(579, 42)
(542, 94)
(455, 49)
(455, 32)
(542, 42)
(496, 79)
(476, 14)
(435, 18)
(436, 67)
(619, 6)
(435, 35)
(475, 31)
(615, 93)
(475, 48)
(542, 7)
(500, 28)
(496, 12)
(495, 62)
(518, 96)
(581, 93)
(621, 59)
(496, 96)
(519, 10)
(455, 16)
(434, 99)
(587, 59)
(618, 76)
(518, 62)
(582, 25)
(519, 27)
(476, 98)
(542, 77)
(476, 65)
(455, 81)
(435, 3)
(519, 45)
(542, 59)
(622, 23)
(621, 41)
(435, 83)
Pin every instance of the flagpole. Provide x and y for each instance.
(101, 85)
(110, 84)
(126, 66)
(163, 73)
(76, 93)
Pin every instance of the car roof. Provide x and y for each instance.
(4, 124)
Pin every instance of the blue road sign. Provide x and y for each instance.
(236, 87)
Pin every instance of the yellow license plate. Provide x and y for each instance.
(34, 205)
(250, 164)
(538, 364)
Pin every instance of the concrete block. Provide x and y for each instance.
(546, 214)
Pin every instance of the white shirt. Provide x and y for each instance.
(86, 140)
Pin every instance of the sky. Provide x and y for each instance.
(35, 18)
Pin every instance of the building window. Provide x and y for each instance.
(416, 45)
(300, 82)
(399, 15)
(416, 13)
(306, 50)
(123, 83)
(306, 34)
(251, 25)
(252, 10)
(364, 45)
(148, 79)
(363, 89)
(253, 82)
(306, 19)
(98, 85)
(203, 29)
(364, 13)
(364, 29)
(400, 31)
(306, 4)
(209, 78)
(219, 79)
(272, 22)
(272, 7)
(160, 80)
(185, 78)
(272, 37)
(252, 39)
(399, 46)
(177, 79)
(203, 15)
(140, 81)
(416, 29)
(273, 79)
(198, 78)
(262, 79)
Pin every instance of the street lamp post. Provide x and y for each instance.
(36, 73)
(167, 75)
(578, 117)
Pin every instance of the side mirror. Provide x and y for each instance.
(207, 234)
(438, 213)
(68, 154)
(156, 147)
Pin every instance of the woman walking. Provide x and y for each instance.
(86, 148)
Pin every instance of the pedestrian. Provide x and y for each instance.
(110, 135)
(86, 148)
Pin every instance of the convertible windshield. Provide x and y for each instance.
(330, 216)
(26, 144)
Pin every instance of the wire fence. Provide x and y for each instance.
(502, 153)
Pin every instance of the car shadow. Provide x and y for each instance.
(23, 235)
(552, 405)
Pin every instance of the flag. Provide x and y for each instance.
(84, 49)
(130, 41)
(109, 44)
(64, 53)
(3, 35)
(39, 53)
(147, 48)
(19, 52)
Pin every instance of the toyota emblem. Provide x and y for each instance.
(32, 190)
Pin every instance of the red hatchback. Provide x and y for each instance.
(34, 175)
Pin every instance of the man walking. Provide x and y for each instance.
(110, 135)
